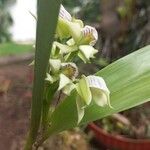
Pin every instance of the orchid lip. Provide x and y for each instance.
(90, 31)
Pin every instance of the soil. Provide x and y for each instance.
(14, 105)
(133, 123)
(15, 98)
(139, 118)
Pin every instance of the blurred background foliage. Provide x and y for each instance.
(123, 25)
(5, 20)
(88, 10)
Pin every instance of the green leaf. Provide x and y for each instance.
(46, 24)
(128, 80)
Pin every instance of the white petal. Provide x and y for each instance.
(99, 96)
(97, 82)
(100, 92)
(88, 51)
(55, 64)
(63, 81)
(91, 32)
(64, 14)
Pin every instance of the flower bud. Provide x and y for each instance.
(88, 89)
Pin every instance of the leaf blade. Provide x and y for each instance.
(46, 26)
(128, 89)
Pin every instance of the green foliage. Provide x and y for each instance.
(13, 48)
(88, 10)
(128, 80)
(46, 25)
(5, 20)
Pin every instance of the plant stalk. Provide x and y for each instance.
(47, 15)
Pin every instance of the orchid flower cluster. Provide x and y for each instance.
(73, 39)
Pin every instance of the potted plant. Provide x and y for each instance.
(124, 131)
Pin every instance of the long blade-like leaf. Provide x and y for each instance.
(46, 24)
(128, 80)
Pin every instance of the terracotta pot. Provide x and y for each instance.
(118, 142)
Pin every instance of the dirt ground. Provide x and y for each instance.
(15, 98)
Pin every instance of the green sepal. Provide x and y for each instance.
(50, 91)
(62, 30)
(69, 57)
(65, 49)
(49, 78)
(83, 90)
(80, 22)
(86, 52)
(75, 31)
(68, 88)
(82, 57)
(55, 65)
(80, 108)
(70, 42)
(63, 81)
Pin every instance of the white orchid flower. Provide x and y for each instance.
(90, 34)
(99, 90)
(70, 70)
(88, 89)
(86, 52)
(68, 26)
